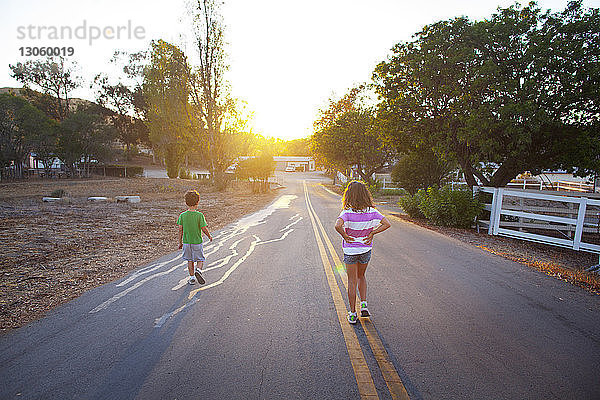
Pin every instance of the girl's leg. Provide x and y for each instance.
(191, 268)
(362, 281)
(351, 270)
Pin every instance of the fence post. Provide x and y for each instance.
(493, 212)
(498, 210)
(580, 219)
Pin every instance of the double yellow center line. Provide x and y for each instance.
(364, 379)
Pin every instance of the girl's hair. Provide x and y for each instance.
(357, 197)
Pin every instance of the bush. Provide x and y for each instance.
(184, 174)
(58, 193)
(132, 172)
(447, 207)
(410, 204)
(393, 192)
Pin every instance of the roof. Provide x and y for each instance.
(292, 158)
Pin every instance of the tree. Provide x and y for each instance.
(125, 98)
(86, 135)
(257, 170)
(420, 169)
(351, 141)
(166, 93)
(120, 99)
(54, 77)
(21, 127)
(509, 91)
(296, 147)
(210, 100)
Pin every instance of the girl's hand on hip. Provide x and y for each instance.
(369, 239)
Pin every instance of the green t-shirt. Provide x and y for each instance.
(192, 221)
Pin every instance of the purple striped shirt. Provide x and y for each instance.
(359, 225)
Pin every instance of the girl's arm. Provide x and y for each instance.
(384, 224)
(206, 232)
(339, 227)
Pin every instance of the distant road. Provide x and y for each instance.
(450, 321)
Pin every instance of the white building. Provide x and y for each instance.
(304, 164)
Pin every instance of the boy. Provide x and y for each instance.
(191, 225)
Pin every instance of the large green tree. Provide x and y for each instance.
(347, 135)
(23, 128)
(166, 92)
(55, 77)
(351, 141)
(509, 91)
(85, 135)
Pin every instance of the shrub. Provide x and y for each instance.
(375, 187)
(135, 171)
(58, 193)
(393, 192)
(447, 207)
(410, 204)
(184, 174)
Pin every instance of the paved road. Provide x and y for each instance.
(450, 321)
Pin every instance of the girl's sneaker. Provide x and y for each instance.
(352, 317)
(192, 280)
(364, 311)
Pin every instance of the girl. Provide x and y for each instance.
(358, 222)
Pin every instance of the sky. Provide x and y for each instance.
(286, 58)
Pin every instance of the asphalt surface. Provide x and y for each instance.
(456, 322)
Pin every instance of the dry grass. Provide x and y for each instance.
(50, 253)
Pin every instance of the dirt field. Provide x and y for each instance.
(51, 253)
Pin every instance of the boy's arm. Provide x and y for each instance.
(180, 235)
(206, 232)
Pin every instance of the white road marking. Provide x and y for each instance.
(150, 268)
(238, 228)
(293, 223)
(277, 240)
(214, 265)
(230, 270)
(133, 287)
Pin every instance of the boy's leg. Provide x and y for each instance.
(197, 273)
(362, 281)
(191, 268)
(351, 270)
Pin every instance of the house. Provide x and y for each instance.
(304, 164)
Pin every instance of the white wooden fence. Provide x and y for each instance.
(581, 214)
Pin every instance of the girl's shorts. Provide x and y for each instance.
(362, 258)
(193, 252)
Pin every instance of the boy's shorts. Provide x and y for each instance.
(362, 258)
(193, 252)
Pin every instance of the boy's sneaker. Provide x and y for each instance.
(364, 311)
(352, 317)
(199, 277)
(192, 280)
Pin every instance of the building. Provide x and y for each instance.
(305, 164)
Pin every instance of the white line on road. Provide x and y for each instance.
(129, 289)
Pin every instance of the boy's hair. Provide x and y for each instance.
(357, 197)
(192, 198)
